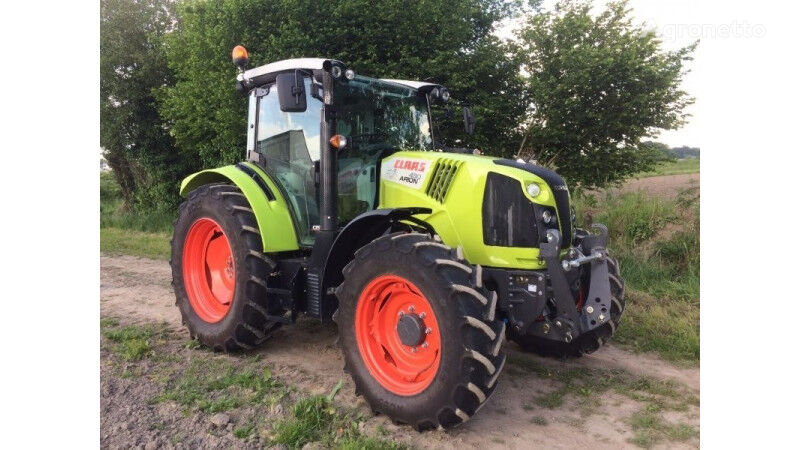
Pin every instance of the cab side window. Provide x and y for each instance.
(289, 143)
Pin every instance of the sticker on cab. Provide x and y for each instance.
(410, 172)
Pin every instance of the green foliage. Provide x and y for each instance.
(113, 213)
(315, 419)
(685, 152)
(134, 231)
(310, 418)
(132, 132)
(633, 217)
(243, 432)
(650, 428)
(658, 150)
(132, 342)
(445, 41)
(598, 84)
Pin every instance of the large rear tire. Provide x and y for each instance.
(219, 270)
(587, 342)
(418, 331)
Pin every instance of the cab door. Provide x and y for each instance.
(289, 143)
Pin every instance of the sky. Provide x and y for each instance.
(680, 23)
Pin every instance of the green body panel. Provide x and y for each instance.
(274, 219)
(458, 217)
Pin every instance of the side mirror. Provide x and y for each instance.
(291, 91)
(469, 120)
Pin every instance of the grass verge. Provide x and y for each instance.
(117, 241)
(657, 242)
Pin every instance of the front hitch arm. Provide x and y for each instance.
(567, 318)
(596, 310)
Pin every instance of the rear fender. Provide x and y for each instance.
(272, 213)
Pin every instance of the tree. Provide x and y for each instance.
(598, 85)
(132, 64)
(449, 42)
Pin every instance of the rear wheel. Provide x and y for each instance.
(418, 331)
(219, 270)
(587, 342)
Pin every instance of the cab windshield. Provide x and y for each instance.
(378, 118)
(378, 115)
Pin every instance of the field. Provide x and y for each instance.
(160, 390)
(678, 167)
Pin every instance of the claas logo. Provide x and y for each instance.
(418, 166)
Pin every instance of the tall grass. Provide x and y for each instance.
(657, 242)
(131, 231)
(114, 215)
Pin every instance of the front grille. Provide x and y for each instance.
(560, 194)
(443, 174)
(509, 218)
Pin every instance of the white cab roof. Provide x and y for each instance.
(409, 83)
(281, 66)
(311, 64)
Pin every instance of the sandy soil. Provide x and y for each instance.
(137, 291)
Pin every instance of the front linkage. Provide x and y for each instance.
(549, 311)
(568, 323)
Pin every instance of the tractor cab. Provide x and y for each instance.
(372, 118)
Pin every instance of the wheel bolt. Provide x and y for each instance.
(413, 349)
(411, 308)
(428, 330)
(424, 345)
(589, 309)
(602, 317)
(400, 314)
(422, 315)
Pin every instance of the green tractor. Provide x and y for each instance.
(427, 260)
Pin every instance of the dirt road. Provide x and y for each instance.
(519, 415)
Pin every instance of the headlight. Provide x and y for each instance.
(336, 72)
(445, 94)
(533, 189)
(349, 74)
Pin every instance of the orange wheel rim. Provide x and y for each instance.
(209, 274)
(397, 335)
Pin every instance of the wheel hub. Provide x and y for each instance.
(209, 272)
(411, 330)
(398, 335)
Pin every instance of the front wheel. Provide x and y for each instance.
(418, 331)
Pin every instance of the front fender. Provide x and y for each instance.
(270, 208)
